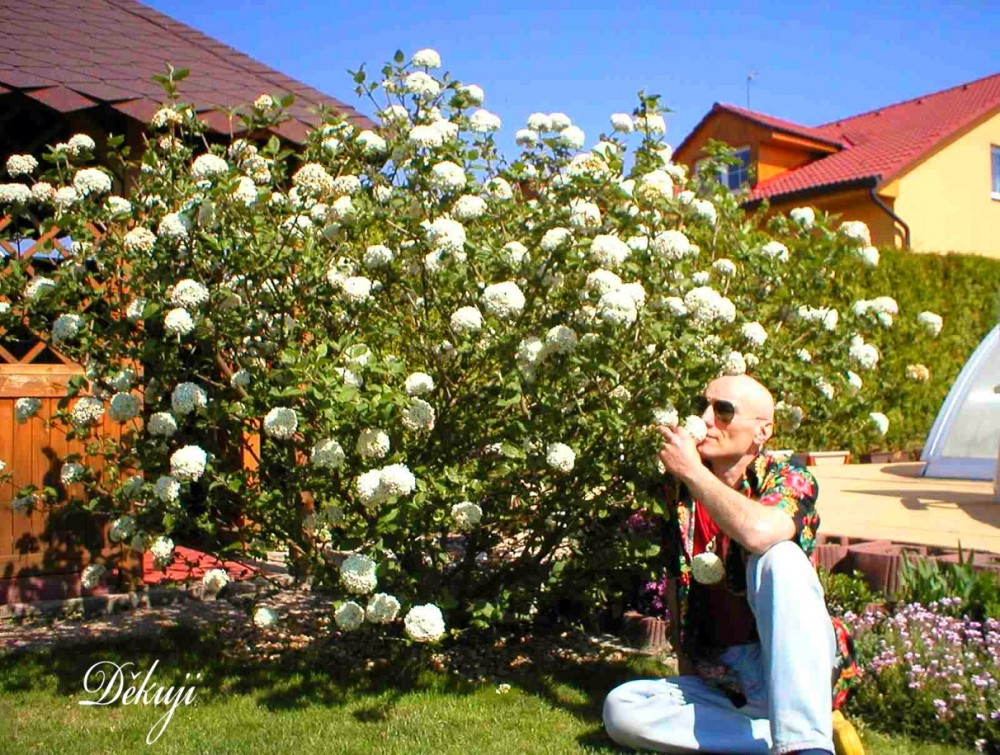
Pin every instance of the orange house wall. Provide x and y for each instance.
(723, 127)
(775, 160)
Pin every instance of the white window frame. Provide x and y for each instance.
(995, 171)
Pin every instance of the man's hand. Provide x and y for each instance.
(679, 452)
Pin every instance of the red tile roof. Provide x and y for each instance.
(881, 144)
(767, 121)
(77, 54)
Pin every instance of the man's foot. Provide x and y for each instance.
(845, 737)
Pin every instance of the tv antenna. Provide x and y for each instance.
(751, 77)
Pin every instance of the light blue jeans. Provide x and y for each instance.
(786, 677)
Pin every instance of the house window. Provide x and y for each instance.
(735, 175)
(995, 160)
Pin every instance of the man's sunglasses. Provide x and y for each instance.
(724, 411)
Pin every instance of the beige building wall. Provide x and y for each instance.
(946, 198)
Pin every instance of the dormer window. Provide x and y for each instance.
(736, 175)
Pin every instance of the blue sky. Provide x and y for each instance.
(813, 63)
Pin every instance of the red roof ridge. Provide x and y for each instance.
(810, 132)
(879, 110)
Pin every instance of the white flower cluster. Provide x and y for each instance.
(381, 485)
(918, 373)
(666, 416)
(775, 250)
(418, 384)
(312, 179)
(880, 421)
(265, 618)
(214, 580)
(174, 226)
(466, 320)
(166, 116)
(560, 457)
(189, 293)
(376, 256)
(707, 305)
(804, 216)
(931, 323)
(466, 515)
(66, 328)
(188, 463)
(89, 181)
(167, 489)
(503, 300)
(122, 529)
(208, 167)
(881, 307)
(447, 235)
(187, 398)
(357, 574)
(827, 317)
(139, 239)
(178, 322)
(38, 287)
(382, 608)
(424, 623)
(734, 364)
(418, 416)
(372, 444)
(869, 256)
(87, 411)
(484, 122)
(14, 194)
(328, 454)
(673, 245)
(696, 428)
(281, 422)
(72, 472)
(857, 231)
(162, 549)
(754, 333)
(865, 355)
(162, 424)
(349, 616)
(123, 407)
(92, 575)
(26, 408)
(789, 416)
(21, 165)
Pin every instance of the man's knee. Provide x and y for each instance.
(615, 715)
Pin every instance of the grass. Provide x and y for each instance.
(299, 703)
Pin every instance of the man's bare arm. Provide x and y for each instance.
(752, 524)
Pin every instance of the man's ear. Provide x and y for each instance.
(764, 433)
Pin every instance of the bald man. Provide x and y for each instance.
(757, 652)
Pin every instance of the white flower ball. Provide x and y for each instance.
(503, 300)
(178, 322)
(281, 422)
(377, 256)
(804, 216)
(448, 176)
(91, 576)
(424, 623)
(856, 231)
(21, 165)
(72, 472)
(666, 416)
(672, 245)
(349, 616)
(139, 240)
(775, 250)
(66, 328)
(123, 407)
(869, 256)
(382, 609)
(189, 293)
(162, 549)
(560, 457)
(540, 122)
(214, 580)
(397, 480)
(418, 384)
(499, 188)
(880, 421)
(572, 137)
(513, 253)
(561, 339)
(91, 181)
(734, 364)
(418, 416)
(466, 515)
(617, 307)
(372, 444)
(484, 122)
(466, 320)
(447, 235)
(265, 618)
(426, 58)
(372, 145)
(87, 411)
(188, 463)
(469, 207)
(167, 489)
(208, 167)
(609, 251)
(931, 323)
(357, 574)
(602, 281)
(724, 267)
(622, 123)
(527, 137)
(162, 424)
(754, 333)
(651, 123)
(187, 398)
(121, 529)
(328, 454)
(173, 226)
(696, 428)
(356, 289)
(26, 408)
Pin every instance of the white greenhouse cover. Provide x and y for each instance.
(964, 439)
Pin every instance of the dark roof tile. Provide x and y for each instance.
(109, 50)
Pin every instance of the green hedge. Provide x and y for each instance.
(965, 290)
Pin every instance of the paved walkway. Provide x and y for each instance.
(891, 501)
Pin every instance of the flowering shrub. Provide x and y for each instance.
(442, 362)
(929, 674)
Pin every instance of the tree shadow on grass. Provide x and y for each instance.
(336, 671)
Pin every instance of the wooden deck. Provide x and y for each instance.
(891, 501)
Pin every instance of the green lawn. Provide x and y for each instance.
(303, 703)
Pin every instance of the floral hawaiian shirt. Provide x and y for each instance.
(772, 482)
